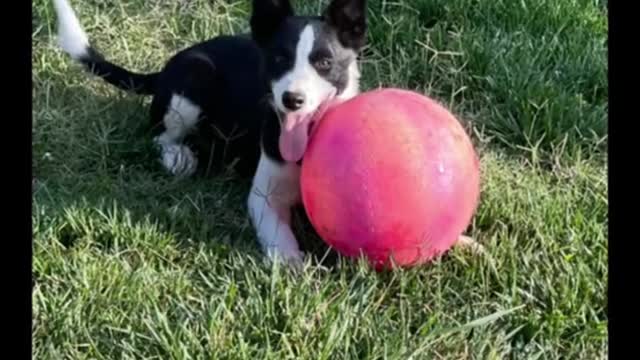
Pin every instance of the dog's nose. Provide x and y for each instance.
(292, 100)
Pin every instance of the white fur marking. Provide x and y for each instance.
(303, 78)
(71, 37)
(182, 115)
(179, 160)
(353, 86)
(275, 190)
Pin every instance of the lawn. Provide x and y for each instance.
(130, 263)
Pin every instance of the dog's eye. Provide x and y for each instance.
(323, 64)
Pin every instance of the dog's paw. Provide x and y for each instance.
(293, 258)
(469, 244)
(178, 160)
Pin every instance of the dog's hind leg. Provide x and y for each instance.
(181, 115)
(468, 243)
(179, 111)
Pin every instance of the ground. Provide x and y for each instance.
(131, 263)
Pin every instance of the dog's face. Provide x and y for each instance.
(311, 62)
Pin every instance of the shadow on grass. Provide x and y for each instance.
(93, 146)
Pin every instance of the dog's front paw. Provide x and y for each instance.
(179, 160)
(288, 255)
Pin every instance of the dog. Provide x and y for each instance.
(270, 87)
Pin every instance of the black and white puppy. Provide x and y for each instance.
(259, 95)
(311, 63)
(215, 90)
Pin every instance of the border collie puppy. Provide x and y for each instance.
(258, 96)
(311, 64)
(250, 100)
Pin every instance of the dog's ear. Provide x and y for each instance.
(349, 18)
(266, 17)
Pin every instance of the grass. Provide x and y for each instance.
(130, 263)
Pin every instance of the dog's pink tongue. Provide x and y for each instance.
(293, 138)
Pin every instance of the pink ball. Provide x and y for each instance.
(391, 175)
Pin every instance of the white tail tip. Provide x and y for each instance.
(71, 38)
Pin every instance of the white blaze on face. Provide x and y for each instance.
(303, 78)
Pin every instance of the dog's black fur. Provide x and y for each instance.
(225, 77)
(251, 99)
(230, 94)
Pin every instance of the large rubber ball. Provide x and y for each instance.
(392, 175)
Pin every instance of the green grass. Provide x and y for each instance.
(131, 263)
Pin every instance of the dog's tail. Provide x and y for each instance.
(74, 41)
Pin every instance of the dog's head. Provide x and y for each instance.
(311, 62)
